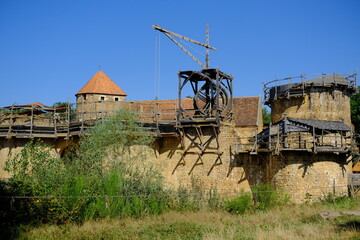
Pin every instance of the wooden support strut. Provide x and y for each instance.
(11, 122)
(198, 142)
(31, 121)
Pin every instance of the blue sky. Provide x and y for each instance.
(50, 49)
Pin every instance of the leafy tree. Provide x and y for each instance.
(266, 116)
(355, 110)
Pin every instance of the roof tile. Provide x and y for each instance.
(245, 111)
(100, 83)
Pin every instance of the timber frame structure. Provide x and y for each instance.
(305, 133)
(213, 97)
(199, 127)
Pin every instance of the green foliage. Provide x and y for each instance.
(35, 168)
(240, 204)
(188, 199)
(355, 111)
(264, 196)
(58, 104)
(109, 162)
(214, 200)
(266, 115)
(342, 202)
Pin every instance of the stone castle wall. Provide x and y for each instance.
(211, 171)
(304, 176)
(308, 177)
(319, 104)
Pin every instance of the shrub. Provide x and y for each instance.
(264, 196)
(240, 204)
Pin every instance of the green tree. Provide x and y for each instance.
(266, 116)
(355, 110)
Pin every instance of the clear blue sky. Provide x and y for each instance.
(50, 49)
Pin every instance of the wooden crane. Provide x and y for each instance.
(207, 46)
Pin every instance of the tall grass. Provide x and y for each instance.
(290, 222)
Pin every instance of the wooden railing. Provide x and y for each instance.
(77, 118)
(296, 141)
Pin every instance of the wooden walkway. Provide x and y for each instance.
(66, 121)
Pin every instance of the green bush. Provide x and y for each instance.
(240, 204)
(340, 202)
(264, 196)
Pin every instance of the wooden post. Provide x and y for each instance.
(68, 118)
(314, 140)
(285, 131)
(269, 144)
(55, 120)
(10, 121)
(157, 117)
(217, 96)
(179, 103)
(31, 120)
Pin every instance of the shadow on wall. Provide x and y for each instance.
(265, 168)
(305, 162)
(254, 168)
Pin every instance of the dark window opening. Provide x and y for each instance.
(116, 99)
(84, 96)
(102, 98)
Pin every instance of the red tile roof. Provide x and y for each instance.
(246, 111)
(34, 104)
(100, 83)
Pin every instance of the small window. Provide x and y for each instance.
(102, 98)
(116, 99)
(84, 96)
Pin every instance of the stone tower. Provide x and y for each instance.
(98, 97)
(310, 140)
(322, 98)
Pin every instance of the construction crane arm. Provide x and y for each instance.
(184, 49)
(156, 27)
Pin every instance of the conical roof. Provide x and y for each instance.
(100, 83)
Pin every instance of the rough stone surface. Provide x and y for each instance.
(321, 105)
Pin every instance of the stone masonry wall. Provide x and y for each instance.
(227, 175)
(330, 105)
(308, 177)
(304, 176)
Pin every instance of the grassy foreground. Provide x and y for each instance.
(286, 222)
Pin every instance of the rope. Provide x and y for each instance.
(174, 194)
(157, 66)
